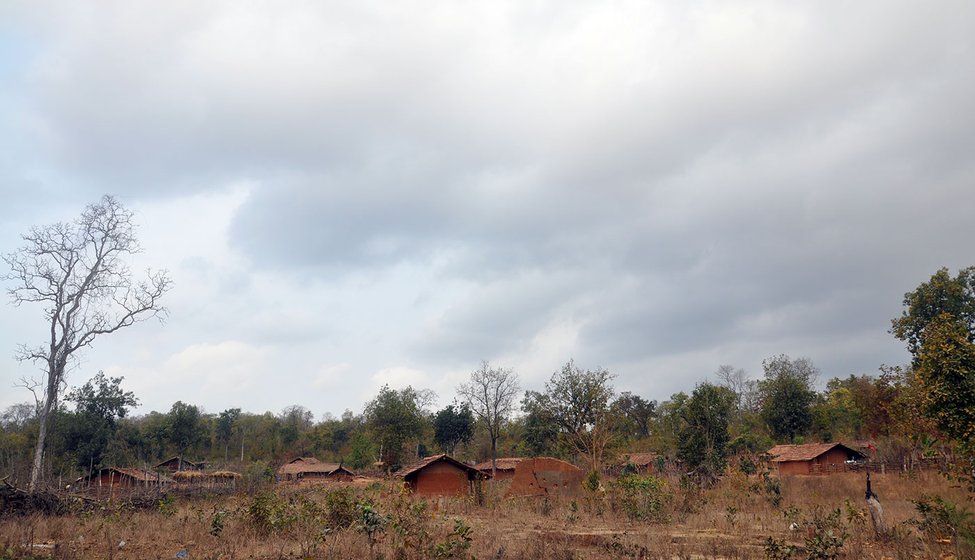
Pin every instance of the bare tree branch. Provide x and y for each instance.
(78, 271)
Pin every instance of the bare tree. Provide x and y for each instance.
(491, 395)
(77, 271)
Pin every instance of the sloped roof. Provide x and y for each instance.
(137, 474)
(427, 461)
(503, 464)
(640, 459)
(311, 465)
(805, 452)
(185, 462)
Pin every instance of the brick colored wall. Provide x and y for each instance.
(440, 479)
(546, 477)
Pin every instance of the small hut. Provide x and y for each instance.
(643, 462)
(441, 475)
(813, 458)
(108, 479)
(309, 468)
(505, 467)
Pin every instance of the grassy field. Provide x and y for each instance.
(798, 517)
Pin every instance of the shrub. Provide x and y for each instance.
(342, 507)
(457, 544)
(643, 498)
(939, 520)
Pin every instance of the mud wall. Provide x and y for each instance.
(440, 479)
(545, 476)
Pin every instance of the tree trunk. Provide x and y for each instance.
(37, 469)
(494, 457)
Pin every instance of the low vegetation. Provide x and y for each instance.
(639, 517)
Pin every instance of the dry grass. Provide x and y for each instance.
(732, 520)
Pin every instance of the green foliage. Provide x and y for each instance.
(166, 505)
(577, 402)
(942, 294)
(591, 481)
(99, 404)
(217, 522)
(828, 536)
(184, 426)
(540, 431)
(946, 373)
(703, 441)
(457, 543)
(643, 498)
(632, 415)
(787, 396)
(747, 466)
(409, 521)
(270, 513)
(342, 506)
(452, 426)
(940, 519)
(371, 522)
(778, 550)
(393, 418)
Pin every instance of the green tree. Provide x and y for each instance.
(452, 426)
(787, 396)
(579, 401)
(491, 394)
(941, 294)
(78, 272)
(539, 428)
(226, 423)
(946, 374)
(633, 415)
(703, 436)
(99, 404)
(394, 418)
(184, 427)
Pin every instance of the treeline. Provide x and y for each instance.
(921, 410)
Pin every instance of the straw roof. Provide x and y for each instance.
(805, 451)
(200, 475)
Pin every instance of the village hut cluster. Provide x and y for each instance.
(443, 475)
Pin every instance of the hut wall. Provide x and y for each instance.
(833, 460)
(794, 467)
(440, 479)
(546, 476)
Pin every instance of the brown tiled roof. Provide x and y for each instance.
(640, 459)
(427, 461)
(504, 464)
(803, 452)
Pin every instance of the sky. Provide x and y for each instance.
(353, 194)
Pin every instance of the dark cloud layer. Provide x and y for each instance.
(660, 184)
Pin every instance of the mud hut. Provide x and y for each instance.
(310, 468)
(813, 458)
(441, 475)
(108, 480)
(545, 476)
